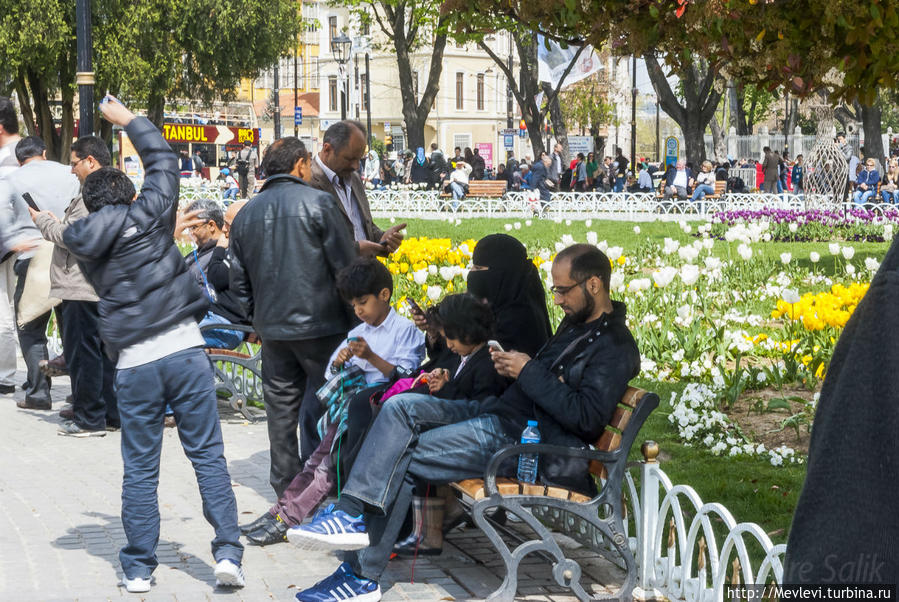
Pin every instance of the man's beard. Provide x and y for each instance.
(580, 316)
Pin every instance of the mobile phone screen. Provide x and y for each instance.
(30, 201)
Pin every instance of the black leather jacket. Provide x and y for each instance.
(127, 252)
(286, 249)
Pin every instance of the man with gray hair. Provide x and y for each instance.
(335, 170)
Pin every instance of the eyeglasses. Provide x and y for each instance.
(564, 290)
(76, 163)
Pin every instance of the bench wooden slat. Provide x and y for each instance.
(227, 352)
(621, 418)
(484, 188)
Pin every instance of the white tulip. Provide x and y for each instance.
(592, 237)
(508, 227)
(432, 270)
(834, 248)
(712, 263)
(636, 229)
(745, 251)
(434, 292)
(689, 273)
(871, 264)
(567, 222)
(616, 281)
(707, 244)
(588, 223)
(464, 273)
(685, 313)
(567, 240)
(848, 252)
(793, 227)
(559, 247)
(670, 246)
(850, 269)
(614, 253)
(544, 254)
(517, 225)
(602, 246)
(447, 272)
(814, 257)
(528, 222)
(664, 276)
(458, 222)
(785, 258)
(688, 254)
(392, 220)
(420, 277)
(791, 296)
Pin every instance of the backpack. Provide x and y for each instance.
(735, 184)
(243, 164)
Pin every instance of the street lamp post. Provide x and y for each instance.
(276, 98)
(84, 77)
(340, 49)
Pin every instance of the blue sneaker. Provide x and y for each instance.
(342, 585)
(330, 530)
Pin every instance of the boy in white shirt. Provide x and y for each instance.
(231, 186)
(382, 343)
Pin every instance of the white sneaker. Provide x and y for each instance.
(138, 585)
(229, 574)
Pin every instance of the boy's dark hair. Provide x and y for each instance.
(365, 276)
(463, 317)
(587, 261)
(106, 186)
(92, 146)
(29, 147)
(283, 154)
(8, 118)
(210, 211)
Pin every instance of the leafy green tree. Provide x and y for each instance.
(408, 26)
(749, 104)
(585, 104)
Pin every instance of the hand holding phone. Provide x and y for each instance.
(495, 346)
(30, 201)
(414, 307)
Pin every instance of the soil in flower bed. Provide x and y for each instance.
(763, 416)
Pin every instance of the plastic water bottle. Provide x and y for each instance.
(527, 463)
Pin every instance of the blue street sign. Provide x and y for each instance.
(298, 115)
(509, 141)
(672, 146)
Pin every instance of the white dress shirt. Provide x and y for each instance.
(396, 340)
(347, 199)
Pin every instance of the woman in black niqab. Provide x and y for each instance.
(504, 276)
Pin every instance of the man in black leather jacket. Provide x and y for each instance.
(286, 248)
(571, 387)
(149, 306)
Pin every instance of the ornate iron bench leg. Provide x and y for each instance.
(238, 399)
(566, 572)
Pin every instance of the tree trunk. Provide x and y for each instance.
(719, 143)
(560, 130)
(45, 125)
(156, 107)
(67, 128)
(871, 118)
(792, 117)
(25, 104)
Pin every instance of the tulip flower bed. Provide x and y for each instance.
(855, 225)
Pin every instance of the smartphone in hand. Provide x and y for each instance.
(27, 197)
(495, 346)
(414, 307)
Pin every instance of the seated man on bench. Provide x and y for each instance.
(571, 388)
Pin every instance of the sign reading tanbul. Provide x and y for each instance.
(207, 134)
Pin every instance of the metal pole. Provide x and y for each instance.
(634, 113)
(84, 76)
(346, 88)
(296, 93)
(509, 88)
(276, 99)
(368, 96)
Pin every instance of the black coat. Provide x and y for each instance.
(478, 378)
(844, 529)
(128, 255)
(218, 275)
(286, 249)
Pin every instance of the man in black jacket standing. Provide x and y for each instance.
(571, 388)
(286, 249)
(149, 306)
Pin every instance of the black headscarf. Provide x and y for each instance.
(514, 290)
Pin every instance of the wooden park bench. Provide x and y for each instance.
(238, 372)
(483, 189)
(543, 508)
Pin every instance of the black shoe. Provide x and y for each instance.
(30, 405)
(274, 531)
(7, 389)
(259, 522)
(407, 547)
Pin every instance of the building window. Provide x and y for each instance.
(480, 91)
(315, 74)
(463, 141)
(460, 86)
(332, 30)
(363, 91)
(332, 93)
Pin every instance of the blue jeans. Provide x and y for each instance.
(702, 190)
(184, 380)
(231, 193)
(861, 196)
(415, 437)
(458, 190)
(220, 339)
(889, 197)
(619, 184)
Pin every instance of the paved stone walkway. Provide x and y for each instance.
(60, 529)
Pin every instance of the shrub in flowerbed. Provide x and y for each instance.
(789, 225)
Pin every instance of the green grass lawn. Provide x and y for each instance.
(753, 490)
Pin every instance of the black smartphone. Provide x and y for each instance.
(30, 201)
(414, 307)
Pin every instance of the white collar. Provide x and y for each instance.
(329, 173)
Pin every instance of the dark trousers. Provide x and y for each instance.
(90, 370)
(291, 373)
(415, 437)
(185, 381)
(33, 342)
